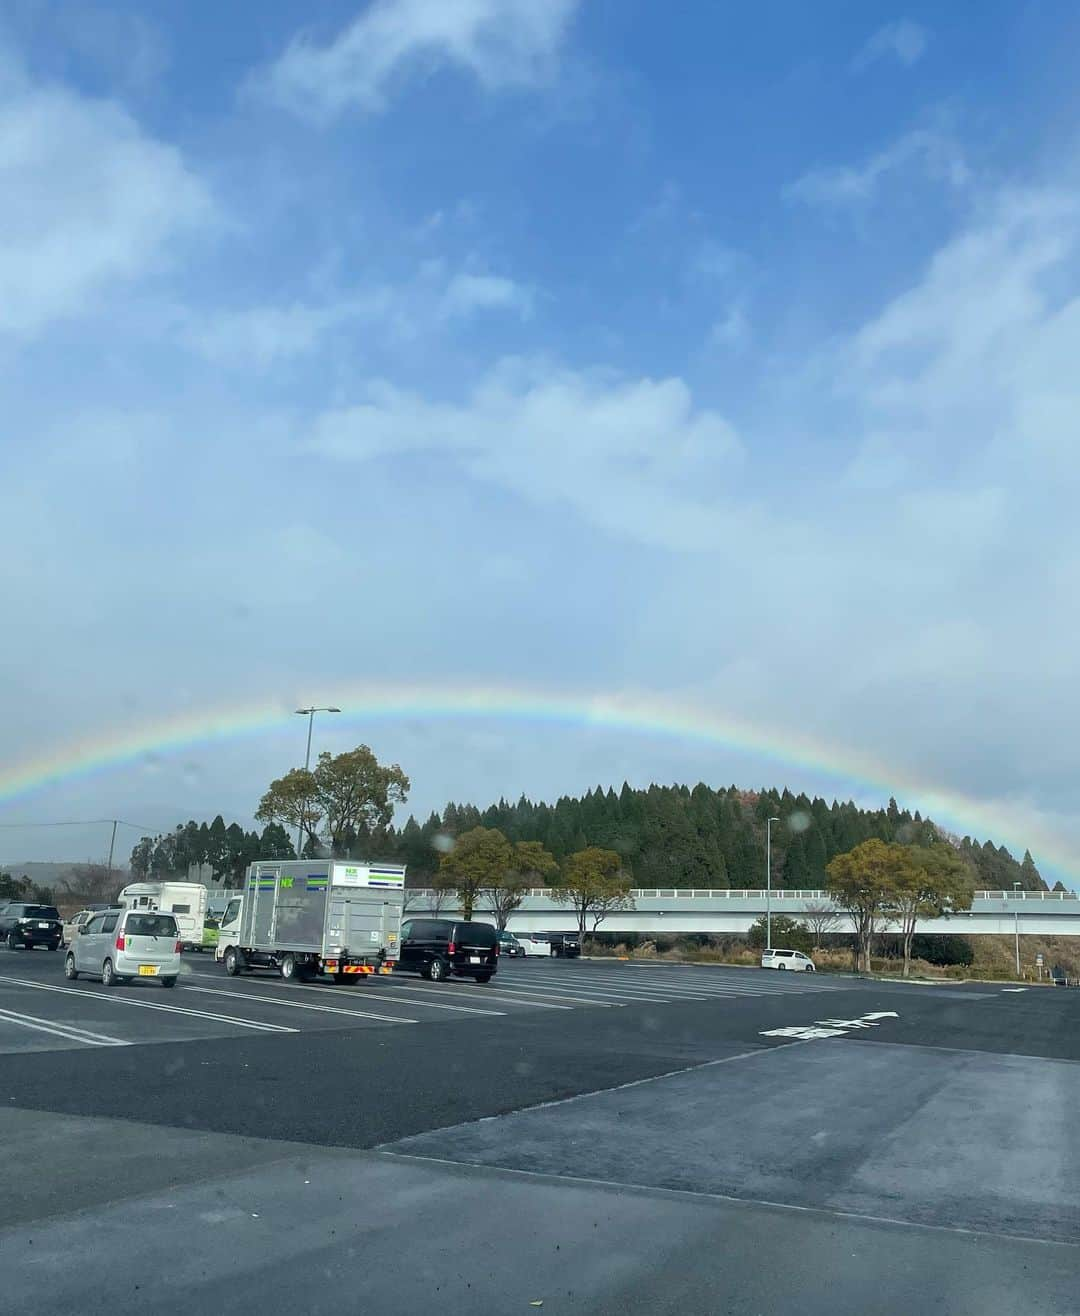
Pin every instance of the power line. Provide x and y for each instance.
(87, 822)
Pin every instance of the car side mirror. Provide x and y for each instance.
(82, 929)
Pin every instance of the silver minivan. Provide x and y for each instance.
(120, 944)
(787, 959)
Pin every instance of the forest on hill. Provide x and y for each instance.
(668, 836)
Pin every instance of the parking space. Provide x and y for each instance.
(40, 1010)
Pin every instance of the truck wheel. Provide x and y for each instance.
(232, 962)
(288, 968)
(439, 970)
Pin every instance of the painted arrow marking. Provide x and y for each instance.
(832, 1027)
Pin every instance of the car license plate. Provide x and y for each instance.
(44, 925)
(474, 959)
(148, 970)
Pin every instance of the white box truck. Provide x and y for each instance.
(305, 917)
(185, 900)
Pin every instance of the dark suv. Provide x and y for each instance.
(565, 943)
(438, 947)
(30, 925)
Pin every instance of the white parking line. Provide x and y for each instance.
(302, 1005)
(626, 996)
(499, 991)
(559, 996)
(380, 987)
(150, 1005)
(67, 1031)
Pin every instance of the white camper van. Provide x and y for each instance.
(186, 901)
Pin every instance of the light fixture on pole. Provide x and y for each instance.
(768, 882)
(1016, 926)
(309, 713)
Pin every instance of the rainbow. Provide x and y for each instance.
(639, 714)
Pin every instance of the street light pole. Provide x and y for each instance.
(1016, 926)
(309, 713)
(768, 882)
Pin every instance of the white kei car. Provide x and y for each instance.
(119, 944)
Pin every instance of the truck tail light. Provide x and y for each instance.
(120, 942)
(179, 947)
(451, 948)
(496, 948)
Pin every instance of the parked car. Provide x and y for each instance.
(534, 943)
(437, 948)
(565, 943)
(117, 945)
(787, 959)
(509, 945)
(24, 924)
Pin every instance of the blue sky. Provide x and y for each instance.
(729, 357)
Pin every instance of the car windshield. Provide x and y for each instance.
(150, 925)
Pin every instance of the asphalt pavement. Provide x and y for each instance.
(597, 1136)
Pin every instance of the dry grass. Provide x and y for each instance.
(994, 958)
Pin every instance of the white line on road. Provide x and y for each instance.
(500, 991)
(150, 1005)
(350, 991)
(628, 994)
(301, 1005)
(67, 1031)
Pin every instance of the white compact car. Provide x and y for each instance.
(787, 959)
(119, 944)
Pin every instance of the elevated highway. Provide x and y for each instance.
(680, 910)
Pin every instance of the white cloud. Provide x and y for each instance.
(732, 329)
(89, 200)
(502, 43)
(468, 293)
(634, 456)
(935, 155)
(263, 336)
(903, 41)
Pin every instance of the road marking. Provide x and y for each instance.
(420, 991)
(150, 1005)
(559, 996)
(67, 1031)
(302, 1005)
(627, 994)
(381, 987)
(1014, 989)
(832, 1027)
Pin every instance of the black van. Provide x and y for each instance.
(437, 947)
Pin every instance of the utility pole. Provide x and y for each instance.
(112, 845)
(1016, 926)
(768, 882)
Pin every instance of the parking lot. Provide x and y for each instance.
(40, 1010)
(601, 1136)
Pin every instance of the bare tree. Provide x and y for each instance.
(90, 883)
(820, 919)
